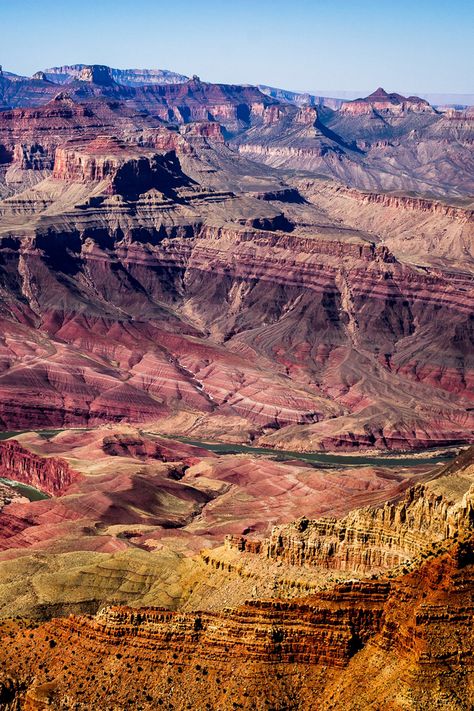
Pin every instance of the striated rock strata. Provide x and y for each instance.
(50, 475)
(382, 102)
(150, 268)
(380, 537)
(269, 654)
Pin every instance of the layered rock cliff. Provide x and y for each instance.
(384, 103)
(411, 631)
(420, 231)
(50, 475)
(184, 244)
(380, 143)
(382, 537)
(268, 653)
(127, 77)
(236, 106)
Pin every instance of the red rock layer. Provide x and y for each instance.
(166, 451)
(192, 100)
(319, 648)
(381, 101)
(186, 279)
(364, 303)
(50, 475)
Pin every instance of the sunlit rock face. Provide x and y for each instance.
(416, 619)
(382, 102)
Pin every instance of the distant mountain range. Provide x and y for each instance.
(369, 143)
(434, 98)
(142, 77)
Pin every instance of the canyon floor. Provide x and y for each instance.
(236, 398)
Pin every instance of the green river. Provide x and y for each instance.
(406, 459)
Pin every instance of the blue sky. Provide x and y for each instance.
(416, 45)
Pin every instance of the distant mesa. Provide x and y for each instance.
(385, 102)
(125, 77)
(97, 74)
(300, 98)
(40, 76)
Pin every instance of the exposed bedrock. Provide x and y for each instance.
(328, 630)
(140, 448)
(381, 143)
(212, 307)
(166, 273)
(384, 103)
(139, 491)
(237, 107)
(404, 202)
(50, 475)
(377, 641)
(396, 639)
(129, 170)
(383, 537)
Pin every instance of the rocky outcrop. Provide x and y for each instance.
(8, 494)
(29, 136)
(404, 202)
(401, 637)
(204, 129)
(40, 76)
(126, 77)
(50, 475)
(426, 645)
(327, 630)
(371, 144)
(126, 170)
(98, 160)
(383, 537)
(32, 157)
(306, 116)
(384, 103)
(161, 449)
(369, 540)
(97, 74)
